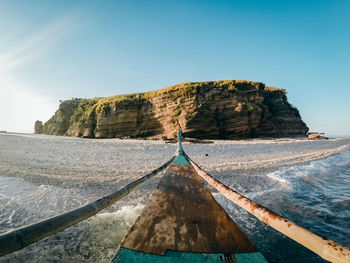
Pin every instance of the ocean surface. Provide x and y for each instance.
(41, 176)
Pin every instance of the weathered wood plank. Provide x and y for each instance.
(183, 216)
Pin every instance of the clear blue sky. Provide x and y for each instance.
(52, 50)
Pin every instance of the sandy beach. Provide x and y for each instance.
(45, 175)
(67, 161)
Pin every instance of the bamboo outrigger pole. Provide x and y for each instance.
(325, 248)
(19, 238)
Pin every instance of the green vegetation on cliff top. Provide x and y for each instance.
(188, 88)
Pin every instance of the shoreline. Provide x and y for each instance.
(69, 173)
(295, 138)
(261, 167)
(109, 163)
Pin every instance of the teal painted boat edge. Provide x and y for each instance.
(179, 145)
(180, 156)
(180, 159)
(254, 257)
(131, 256)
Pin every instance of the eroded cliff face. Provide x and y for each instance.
(229, 109)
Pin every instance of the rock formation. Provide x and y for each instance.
(38, 127)
(230, 109)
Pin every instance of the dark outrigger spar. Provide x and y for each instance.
(182, 222)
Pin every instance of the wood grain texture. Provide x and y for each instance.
(183, 216)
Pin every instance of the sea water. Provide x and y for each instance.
(44, 176)
(315, 196)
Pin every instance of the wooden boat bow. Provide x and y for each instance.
(183, 221)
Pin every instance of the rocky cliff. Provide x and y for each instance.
(230, 109)
(38, 127)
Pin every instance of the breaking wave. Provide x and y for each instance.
(315, 196)
(93, 240)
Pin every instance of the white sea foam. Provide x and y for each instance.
(93, 240)
(275, 176)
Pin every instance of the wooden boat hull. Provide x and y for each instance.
(182, 222)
